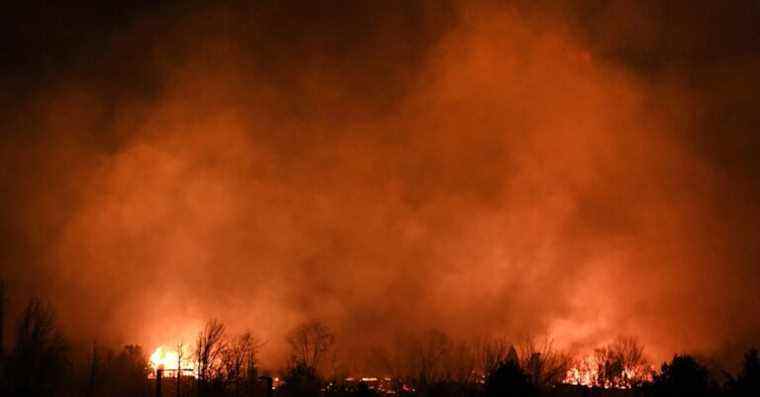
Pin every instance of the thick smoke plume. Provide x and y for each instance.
(484, 170)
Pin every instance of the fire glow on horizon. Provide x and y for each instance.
(172, 360)
(491, 189)
(588, 371)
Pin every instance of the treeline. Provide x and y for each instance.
(40, 362)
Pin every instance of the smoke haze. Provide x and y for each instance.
(577, 171)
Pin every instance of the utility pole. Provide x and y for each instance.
(93, 370)
(2, 318)
(159, 380)
(180, 354)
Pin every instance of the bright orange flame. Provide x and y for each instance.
(170, 360)
(586, 373)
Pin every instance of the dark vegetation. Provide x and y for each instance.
(40, 362)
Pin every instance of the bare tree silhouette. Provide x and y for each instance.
(415, 360)
(393, 361)
(494, 351)
(461, 363)
(309, 342)
(430, 360)
(238, 364)
(208, 350)
(543, 362)
(301, 381)
(122, 374)
(39, 361)
(621, 364)
(180, 347)
(428, 353)
(129, 371)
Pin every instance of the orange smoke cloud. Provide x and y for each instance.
(496, 177)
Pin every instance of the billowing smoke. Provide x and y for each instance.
(486, 170)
